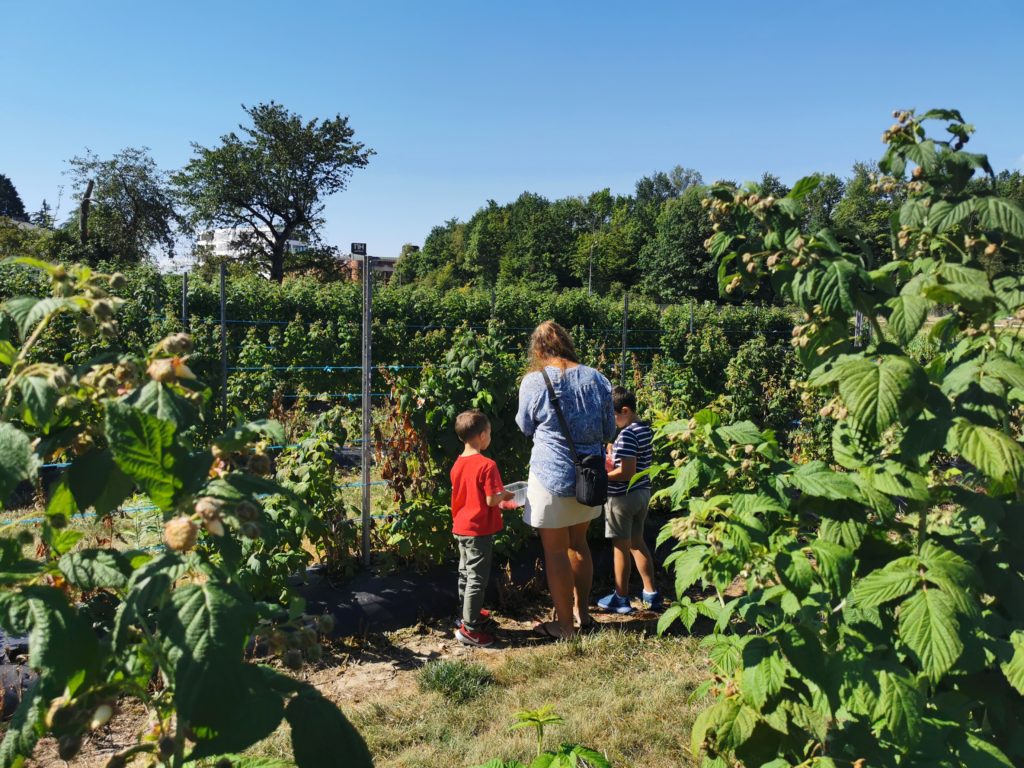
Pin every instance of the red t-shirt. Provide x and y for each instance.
(474, 478)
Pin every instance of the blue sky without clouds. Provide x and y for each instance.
(470, 101)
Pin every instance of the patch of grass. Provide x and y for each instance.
(456, 680)
(622, 693)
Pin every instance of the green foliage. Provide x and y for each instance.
(566, 756)
(459, 681)
(883, 595)
(131, 210)
(181, 618)
(11, 206)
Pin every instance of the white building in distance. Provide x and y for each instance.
(226, 241)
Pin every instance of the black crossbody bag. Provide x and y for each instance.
(591, 473)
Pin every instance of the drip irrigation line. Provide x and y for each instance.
(333, 395)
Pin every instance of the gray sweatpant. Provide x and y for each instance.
(475, 554)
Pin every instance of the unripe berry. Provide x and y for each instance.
(118, 282)
(101, 716)
(292, 658)
(180, 533)
(325, 624)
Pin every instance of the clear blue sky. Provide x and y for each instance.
(466, 101)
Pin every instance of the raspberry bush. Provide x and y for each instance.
(175, 641)
(869, 612)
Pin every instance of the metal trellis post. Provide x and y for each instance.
(359, 249)
(625, 336)
(224, 342)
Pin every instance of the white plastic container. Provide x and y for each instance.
(519, 489)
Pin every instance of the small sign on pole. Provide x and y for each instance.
(358, 249)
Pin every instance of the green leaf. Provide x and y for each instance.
(898, 711)
(1014, 668)
(804, 187)
(38, 401)
(850, 447)
(96, 481)
(754, 503)
(908, 315)
(28, 311)
(764, 672)
(144, 448)
(835, 288)
(205, 627)
(668, 617)
(320, 733)
(1005, 370)
(96, 569)
(928, 624)
(881, 392)
(835, 564)
(17, 461)
(1001, 214)
(943, 215)
(795, 571)
(889, 583)
(25, 729)
(997, 455)
(162, 401)
(217, 723)
(245, 434)
(689, 567)
(742, 432)
(61, 642)
(896, 479)
(816, 479)
(978, 753)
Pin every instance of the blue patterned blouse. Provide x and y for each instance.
(586, 399)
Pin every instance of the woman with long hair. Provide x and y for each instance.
(551, 505)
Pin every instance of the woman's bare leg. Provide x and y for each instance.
(582, 569)
(560, 575)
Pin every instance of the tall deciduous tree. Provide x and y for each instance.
(131, 209)
(675, 265)
(272, 180)
(11, 205)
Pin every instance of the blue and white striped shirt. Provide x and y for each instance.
(634, 441)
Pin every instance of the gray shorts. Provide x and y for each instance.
(624, 516)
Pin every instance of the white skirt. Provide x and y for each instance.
(545, 510)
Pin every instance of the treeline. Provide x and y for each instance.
(651, 241)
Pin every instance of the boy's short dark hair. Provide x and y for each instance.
(469, 424)
(623, 398)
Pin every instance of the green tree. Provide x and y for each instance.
(866, 208)
(131, 210)
(271, 180)
(10, 201)
(821, 202)
(675, 265)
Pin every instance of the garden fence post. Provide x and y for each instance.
(858, 329)
(224, 342)
(625, 337)
(360, 248)
(184, 302)
(691, 317)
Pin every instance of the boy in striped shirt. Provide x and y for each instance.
(626, 510)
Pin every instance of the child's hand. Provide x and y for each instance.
(609, 463)
(507, 504)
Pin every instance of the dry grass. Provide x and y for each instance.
(620, 692)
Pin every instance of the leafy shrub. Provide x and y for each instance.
(459, 681)
(882, 599)
(180, 620)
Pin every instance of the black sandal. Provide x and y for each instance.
(543, 630)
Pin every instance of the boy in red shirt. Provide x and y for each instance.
(477, 491)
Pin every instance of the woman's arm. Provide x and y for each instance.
(525, 415)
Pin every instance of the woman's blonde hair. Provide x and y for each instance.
(549, 341)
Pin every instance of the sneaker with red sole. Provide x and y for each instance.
(479, 638)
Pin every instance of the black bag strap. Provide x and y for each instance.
(561, 417)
